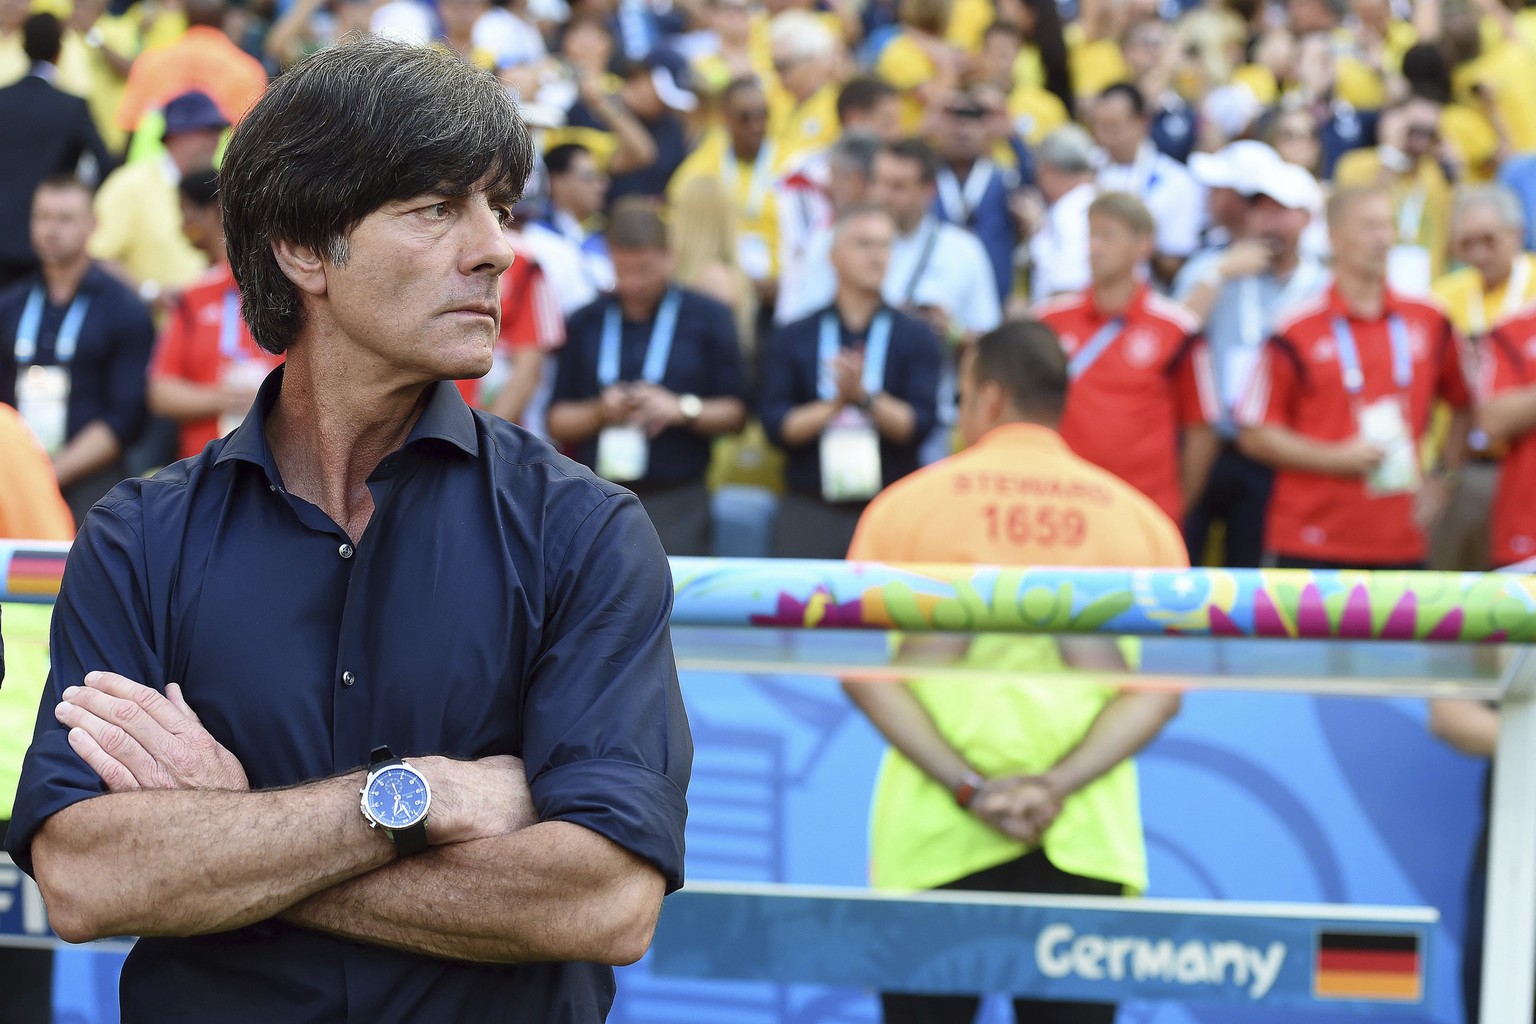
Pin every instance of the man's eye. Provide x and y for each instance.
(437, 211)
(503, 215)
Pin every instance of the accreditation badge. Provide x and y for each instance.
(42, 398)
(1409, 269)
(623, 454)
(1384, 424)
(850, 458)
(753, 255)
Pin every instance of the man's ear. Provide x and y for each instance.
(301, 265)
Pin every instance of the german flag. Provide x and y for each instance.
(34, 573)
(1374, 966)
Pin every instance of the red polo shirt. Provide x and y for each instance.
(1299, 385)
(1126, 410)
(1509, 362)
(198, 345)
(530, 316)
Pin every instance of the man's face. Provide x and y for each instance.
(1227, 207)
(1309, 16)
(847, 185)
(639, 94)
(897, 185)
(582, 189)
(1117, 128)
(861, 250)
(419, 288)
(640, 276)
(587, 45)
(62, 222)
(1144, 46)
(746, 118)
(1363, 236)
(1481, 239)
(1421, 128)
(191, 150)
(1114, 249)
(199, 224)
(964, 133)
(801, 75)
(1276, 224)
(14, 12)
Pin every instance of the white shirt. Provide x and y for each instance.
(563, 267)
(952, 273)
(1058, 252)
(1173, 197)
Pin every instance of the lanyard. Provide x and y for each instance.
(959, 203)
(876, 349)
(757, 188)
(1097, 345)
(1410, 217)
(1514, 296)
(657, 352)
(32, 322)
(1138, 178)
(1349, 355)
(229, 326)
(923, 260)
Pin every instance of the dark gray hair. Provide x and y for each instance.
(1068, 149)
(855, 151)
(350, 129)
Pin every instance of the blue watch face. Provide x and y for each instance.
(397, 797)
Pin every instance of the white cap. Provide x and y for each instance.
(669, 92)
(1238, 165)
(1290, 185)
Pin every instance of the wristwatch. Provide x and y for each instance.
(691, 406)
(396, 798)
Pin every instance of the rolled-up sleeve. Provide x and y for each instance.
(606, 738)
(100, 622)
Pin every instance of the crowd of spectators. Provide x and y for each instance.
(683, 236)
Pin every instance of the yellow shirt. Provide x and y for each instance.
(1028, 70)
(13, 59)
(1259, 80)
(1421, 200)
(138, 226)
(1035, 113)
(25, 627)
(919, 838)
(85, 72)
(968, 22)
(1509, 69)
(799, 128)
(1096, 64)
(757, 211)
(1472, 310)
(1470, 134)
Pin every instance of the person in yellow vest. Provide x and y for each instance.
(1407, 162)
(1496, 280)
(1022, 784)
(803, 109)
(739, 153)
(919, 61)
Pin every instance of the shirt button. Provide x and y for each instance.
(345, 551)
(347, 679)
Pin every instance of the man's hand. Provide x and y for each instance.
(476, 799)
(1021, 807)
(848, 374)
(135, 738)
(1246, 257)
(655, 408)
(1430, 502)
(618, 403)
(1356, 457)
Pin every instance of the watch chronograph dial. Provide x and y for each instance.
(397, 797)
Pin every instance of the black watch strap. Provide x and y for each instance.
(407, 840)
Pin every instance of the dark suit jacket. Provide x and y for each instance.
(43, 132)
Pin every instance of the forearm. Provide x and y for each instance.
(1469, 726)
(894, 710)
(720, 416)
(636, 148)
(1124, 725)
(1200, 299)
(91, 449)
(179, 399)
(1506, 416)
(1283, 448)
(181, 862)
(1200, 449)
(552, 891)
(894, 418)
(575, 422)
(1453, 452)
(513, 398)
(805, 423)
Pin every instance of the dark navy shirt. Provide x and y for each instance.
(108, 371)
(789, 380)
(668, 133)
(502, 601)
(705, 361)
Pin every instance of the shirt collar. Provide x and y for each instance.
(1132, 310)
(445, 418)
(44, 70)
